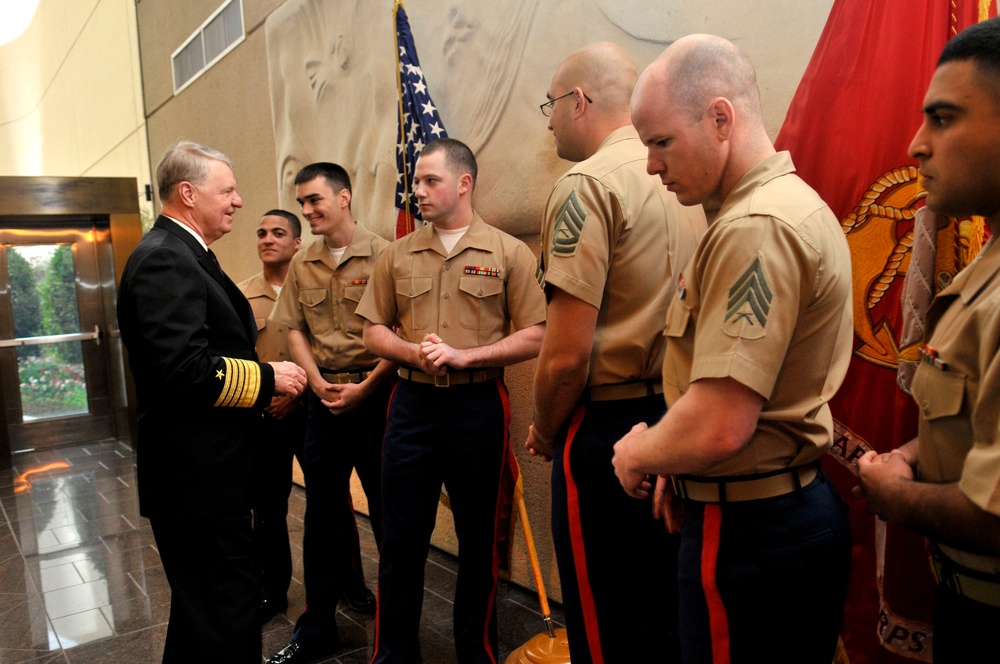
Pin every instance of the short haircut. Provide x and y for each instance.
(334, 174)
(292, 219)
(981, 44)
(458, 156)
(185, 161)
(713, 68)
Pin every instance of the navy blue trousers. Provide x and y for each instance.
(335, 445)
(617, 564)
(765, 580)
(964, 629)
(214, 587)
(457, 436)
(277, 442)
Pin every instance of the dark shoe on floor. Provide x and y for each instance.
(362, 601)
(269, 608)
(297, 653)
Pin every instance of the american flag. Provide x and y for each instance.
(419, 122)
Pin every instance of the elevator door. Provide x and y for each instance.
(55, 301)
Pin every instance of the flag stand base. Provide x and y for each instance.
(552, 645)
(542, 649)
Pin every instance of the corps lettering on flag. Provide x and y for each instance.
(419, 122)
(848, 129)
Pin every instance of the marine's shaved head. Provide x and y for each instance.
(699, 68)
(604, 71)
(697, 109)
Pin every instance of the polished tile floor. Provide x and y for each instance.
(81, 579)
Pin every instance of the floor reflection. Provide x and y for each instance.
(83, 576)
(81, 579)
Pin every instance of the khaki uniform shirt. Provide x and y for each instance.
(319, 299)
(766, 300)
(957, 388)
(469, 297)
(272, 340)
(615, 238)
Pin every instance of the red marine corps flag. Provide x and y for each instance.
(419, 124)
(848, 129)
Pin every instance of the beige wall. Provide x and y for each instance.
(315, 80)
(70, 94)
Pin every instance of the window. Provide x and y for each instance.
(217, 36)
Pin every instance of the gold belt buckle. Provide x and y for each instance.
(442, 381)
(343, 378)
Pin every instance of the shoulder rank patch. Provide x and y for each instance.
(241, 384)
(568, 226)
(749, 303)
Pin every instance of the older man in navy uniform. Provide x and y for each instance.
(190, 338)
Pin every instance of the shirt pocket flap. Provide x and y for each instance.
(413, 286)
(261, 323)
(481, 286)
(678, 316)
(310, 297)
(354, 293)
(941, 393)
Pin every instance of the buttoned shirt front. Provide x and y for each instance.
(320, 298)
(615, 238)
(957, 389)
(468, 297)
(766, 301)
(272, 340)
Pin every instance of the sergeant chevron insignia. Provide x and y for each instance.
(568, 226)
(749, 303)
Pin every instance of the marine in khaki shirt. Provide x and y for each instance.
(321, 295)
(759, 337)
(440, 303)
(282, 430)
(613, 241)
(349, 391)
(468, 297)
(765, 301)
(945, 484)
(957, 388)
(624, 268)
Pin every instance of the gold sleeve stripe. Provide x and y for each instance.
(242, 384)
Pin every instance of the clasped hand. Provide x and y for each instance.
(436, 357)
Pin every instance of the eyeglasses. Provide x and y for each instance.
(546, 108)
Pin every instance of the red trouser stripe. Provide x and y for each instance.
(718, 622)
(491, 600)
(587, 605)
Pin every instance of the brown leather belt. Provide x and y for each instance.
(977, 586)
(734, 488)
(454, 378)
(620, 391)
(344, 377)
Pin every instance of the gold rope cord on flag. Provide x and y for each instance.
(242, 384)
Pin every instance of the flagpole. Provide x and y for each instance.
(399, 100)
(543, 599)
(551, 646)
